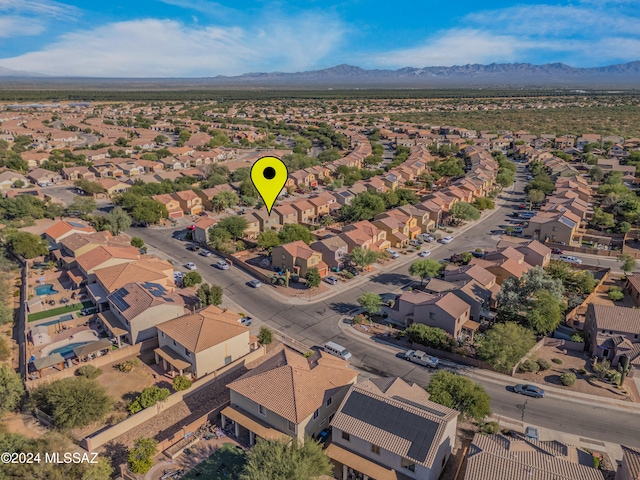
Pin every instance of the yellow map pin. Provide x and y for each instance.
(269, 174)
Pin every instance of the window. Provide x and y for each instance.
(331, 416)
(346, 436)
(227, 360)
(323, 422)
(162, 334)
(375, 449)
(555, 229)
(432, 315)
(187, 352)
(329, 400)
(315, 414)
(292, 427)
(409, 464)
(262, 410)
(174, 343)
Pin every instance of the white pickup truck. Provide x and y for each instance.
(421, 358)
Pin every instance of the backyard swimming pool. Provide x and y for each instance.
(65, 347)
(46, 289)
(67, 350)
(61, 320)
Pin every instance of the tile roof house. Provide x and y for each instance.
(267, 222)
(286, 213)
(535, 253)
(202, 342)
(630, 467)
(423, 220)
(77, 173)
(388, 429)
(40, 176)
(397, 230)
(298, 257)
(105, 256)
(446, 311)
(506, 262)
(306, 211)
(613, 331)
(148, 269)
(366, 235)
(190, 202)
(8, 179)
(202, 227)
(139, 307)
(253, 226)
(62, 229)
(518, 458)
(334, 251)
(556, 227)
(171, 204)
(208, 193)
(288, 395)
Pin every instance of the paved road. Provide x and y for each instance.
(307, 324)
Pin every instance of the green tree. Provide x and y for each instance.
(268, 240)
(265, 336)
(27, 244)
(72, 402)
(504, 345)
(364, 206)
(148, 398)
(371, 302)
(313, 277)
(601, 368)
(286, 460)
(460, 393)
(545, 313)
(101, 470)
(464, 211)
(430, 337)
(137, 242)
(425, 268)
(180, 382)
(160, 139)
(5, 353)
(234, 225)
(224, 200)
(484, 203)
(363, 257)
(140, 457)
(602, 219)
(535, 196)
(184, 136)
(505, 179)
(219, 238)
(191, 279)
(118, 221)
(11, 389)
(210, 294)
(292, 232)
(627, 262)
(596, 174)
(89, 187)
(84, 205)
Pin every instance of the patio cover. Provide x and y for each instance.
(172, 357)
(361, 464)
(257, 426)
(97, 292)
(471, 325)
(92, 347)
(113, 323)
(75, 275)
(48, 361)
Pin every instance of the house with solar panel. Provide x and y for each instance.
(136, 309)
(555, 226)
(388, 429)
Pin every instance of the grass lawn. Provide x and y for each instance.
(229, 455)
(59, 311)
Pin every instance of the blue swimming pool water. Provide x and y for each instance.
(67, 350)
(61, 320)
(46, 289)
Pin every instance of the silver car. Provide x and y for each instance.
(255, 283)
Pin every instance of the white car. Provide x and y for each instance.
(205, 253)
(393, 253)
(448, 239)
(424, 253)
(222, 265)
(190, 266)
(426, 237)
(177, 274)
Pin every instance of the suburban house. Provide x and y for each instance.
(306, 211)
(288, 395)
(334, 251)
(366, 235)
(629, 469)
(77, 173)
(40, 176)
(612, 332)
(9, 178)
(202, 227)
(397, 230)
(386, 428)
(112, 186)
(253, 226)
(477, 296)
(446, 311)
(535, 253)
(423, 221)
(518, 458)
(190, 203)
(633, 286)
(506, 262)
(171, 204)
(286, 213)
(343, 197)
(298, 257)
(202, 342)
(137, 308)
(105, 256)
(62, 229)
(267, 222)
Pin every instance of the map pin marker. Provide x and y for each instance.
(269, 174)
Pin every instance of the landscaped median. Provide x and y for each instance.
(59, 311)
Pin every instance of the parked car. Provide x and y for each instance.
(416, 241)
(331, 280)
(190, 266)
(193, 248)
(529, 390)
(477, 254)
(255, 283)
(447, 239)
(205, 253)
(393, 253)
(421, 358)
(425, 237)
(222, 265)
(570, 259)
(556, 251)
(246, 321)
(531, 433)
(88, 311)
(424, 253)
(352, 270)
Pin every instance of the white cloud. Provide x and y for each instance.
(14, 25)
(167, 48)
(45, 8)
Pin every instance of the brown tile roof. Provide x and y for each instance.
(621, 319)
(631, 457)
(100, 255)
(293, 386)
(61, 228)
(135, 298)
(141, 271)
(475, 272)
(299, 249)
(497, 456)
(204, 329)
(367, 423)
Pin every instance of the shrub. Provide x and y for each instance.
(265, 337)
(582, 371)
(544, 364)
(358, 319)
(577, 337)
(529, 366)
(348, 275)
(557, 361)
(181, 383)
(128, 365)
(490, 428)
(568, 379)
(615, 294)
(88, 371)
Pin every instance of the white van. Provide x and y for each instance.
(570, 259)
(337, 350)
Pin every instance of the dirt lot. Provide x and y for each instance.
(572, 362)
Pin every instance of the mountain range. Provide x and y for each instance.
(348, 76)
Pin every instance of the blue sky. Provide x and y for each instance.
(192, 38)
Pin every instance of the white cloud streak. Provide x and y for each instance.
(45, 8)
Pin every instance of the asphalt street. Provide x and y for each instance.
(308, 324)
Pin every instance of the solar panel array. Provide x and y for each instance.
(419, 431)
(154, 289)
(567, 222)
(117, 298)
(76, 224)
